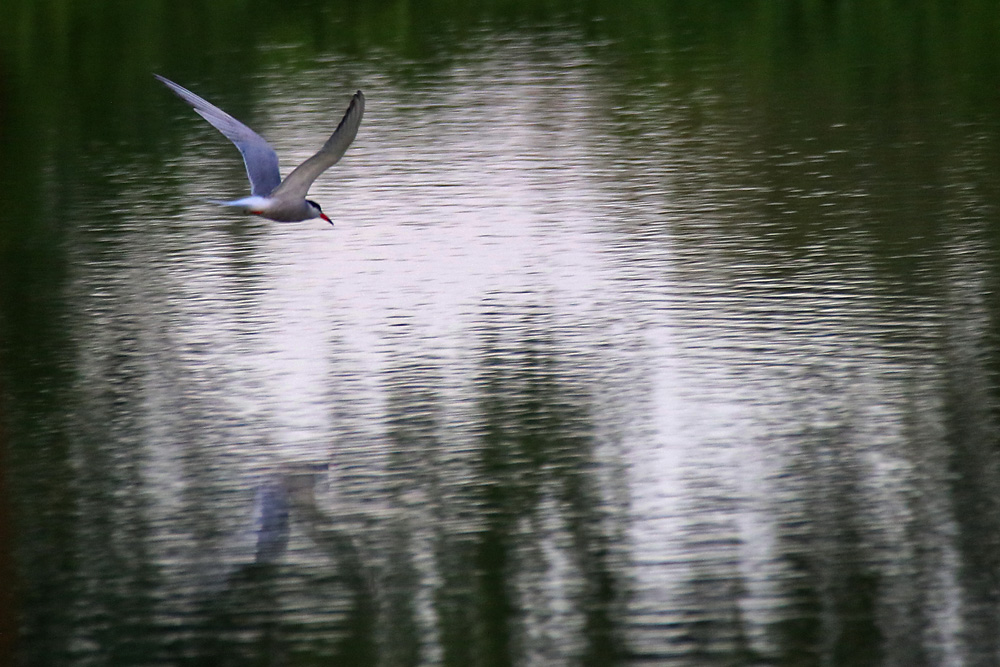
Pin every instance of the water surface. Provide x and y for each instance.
(637, 340)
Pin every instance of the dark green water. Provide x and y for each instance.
(648, 333)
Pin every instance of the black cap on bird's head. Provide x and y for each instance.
(319, 210)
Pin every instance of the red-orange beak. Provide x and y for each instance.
(323, 215)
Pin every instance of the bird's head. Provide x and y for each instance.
(317, 211)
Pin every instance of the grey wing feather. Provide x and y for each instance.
(260, 159)
(297, 183)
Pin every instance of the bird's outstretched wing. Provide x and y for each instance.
(258, 156)
(297, 183)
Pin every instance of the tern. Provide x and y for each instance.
(270, 197)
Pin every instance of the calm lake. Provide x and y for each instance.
(647, 333)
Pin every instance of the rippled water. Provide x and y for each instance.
(587, 372)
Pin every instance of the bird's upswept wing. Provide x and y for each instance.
(260, 159)
(296, 184)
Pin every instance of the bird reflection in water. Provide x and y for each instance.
(270, 588)
(271, 502)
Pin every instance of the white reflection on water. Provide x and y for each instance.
(757, 428)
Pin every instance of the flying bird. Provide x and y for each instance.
(270, 197)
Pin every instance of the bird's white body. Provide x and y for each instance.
(275, 208)
(273, 198)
